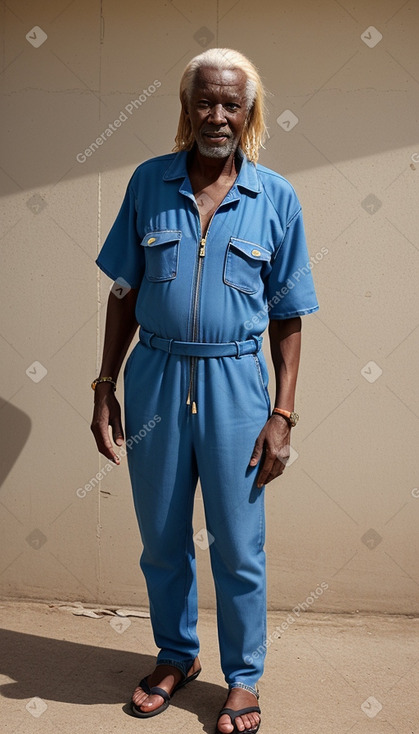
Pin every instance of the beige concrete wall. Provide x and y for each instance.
(346, 511)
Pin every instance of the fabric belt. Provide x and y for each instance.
(200, 349)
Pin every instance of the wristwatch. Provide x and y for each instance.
(291, 417)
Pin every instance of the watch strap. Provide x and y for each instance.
(289, 416)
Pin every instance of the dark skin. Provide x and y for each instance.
(218, 111)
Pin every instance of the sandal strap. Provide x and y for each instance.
(186, 680)
(154, 690)
(157, 691)
(239, 712)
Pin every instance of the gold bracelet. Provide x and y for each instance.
(103, 379)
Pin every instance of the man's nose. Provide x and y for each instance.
(217, 115)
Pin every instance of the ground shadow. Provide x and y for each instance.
(71, 672)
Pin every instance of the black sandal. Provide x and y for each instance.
(156, 690)
(233, 716)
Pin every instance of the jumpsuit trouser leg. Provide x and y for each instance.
(163, 477)
(233, 406)
(216, 444)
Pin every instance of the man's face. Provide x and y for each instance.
(217, 110)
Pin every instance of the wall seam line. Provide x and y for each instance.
(99, 307)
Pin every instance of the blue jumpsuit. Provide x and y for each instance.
(196, 389)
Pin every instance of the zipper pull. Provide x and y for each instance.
(194, 408)
(202, 247)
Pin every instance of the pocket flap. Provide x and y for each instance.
(255, 252)
(153, 239)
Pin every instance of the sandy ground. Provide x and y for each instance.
(326, 674)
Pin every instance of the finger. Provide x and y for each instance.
(109, 452)
(257, 452)
(111, 455)
(284, 454)
(103, 442)
(265, 470)
(117, 431)
(276, 471)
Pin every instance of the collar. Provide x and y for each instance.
(247, 178)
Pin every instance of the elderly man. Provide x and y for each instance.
(208, 247)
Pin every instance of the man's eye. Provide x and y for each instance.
(231, 106)
(203, 104)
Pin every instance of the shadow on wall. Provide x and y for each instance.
(349, 91)
(15, 427)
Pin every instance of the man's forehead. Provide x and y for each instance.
(225, 80)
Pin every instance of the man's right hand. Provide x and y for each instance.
(107, 412)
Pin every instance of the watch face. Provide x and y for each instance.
(294, 418)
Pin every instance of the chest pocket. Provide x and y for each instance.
(243, 265)
(161, 255)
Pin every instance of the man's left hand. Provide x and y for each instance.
(273, 443)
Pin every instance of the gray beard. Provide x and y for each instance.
(221, 151)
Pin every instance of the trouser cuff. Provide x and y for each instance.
(252, 689)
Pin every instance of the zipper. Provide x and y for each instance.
(193, 360)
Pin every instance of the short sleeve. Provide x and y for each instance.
(290, 285)
(121, 256)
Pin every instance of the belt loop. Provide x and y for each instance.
(238, 348)
(169, 346)
(146, 337)
(258, 342)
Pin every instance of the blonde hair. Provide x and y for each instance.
(254, 132)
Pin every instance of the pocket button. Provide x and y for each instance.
(256, 253)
